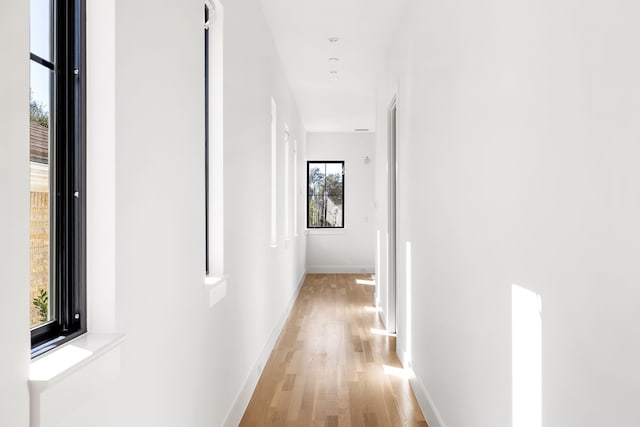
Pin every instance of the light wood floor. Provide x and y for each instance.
(330, 367)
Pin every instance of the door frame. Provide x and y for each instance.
(392, 224)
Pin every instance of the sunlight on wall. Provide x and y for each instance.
(295, 187)
(526, 362)
(377, 269)
(55, 362)
(407, 308)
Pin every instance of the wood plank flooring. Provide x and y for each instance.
(331, 365)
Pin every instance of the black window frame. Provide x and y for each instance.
(208, 16)
(67, 166)
(309, 226)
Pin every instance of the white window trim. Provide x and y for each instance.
(287, 182)
(274, 175)
(216, 282)
(325, 231)
(71, 373)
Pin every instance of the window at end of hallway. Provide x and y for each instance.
(325, 194)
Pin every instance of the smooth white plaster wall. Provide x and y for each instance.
(183, 363)
(14, 216)
(351, 250)
(218, 348)
(518, 152)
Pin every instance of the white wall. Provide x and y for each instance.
(183, 363)
(263, 279)
(518, 147)
(14, 219)
(219, 347)
(352, 249)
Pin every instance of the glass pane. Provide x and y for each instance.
(41, 28)
(316, 194)
(39, 143)
(333, 184)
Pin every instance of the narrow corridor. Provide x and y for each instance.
(333, 364)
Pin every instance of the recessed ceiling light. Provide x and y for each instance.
(334, 59)
(333, 75)
(334, 39)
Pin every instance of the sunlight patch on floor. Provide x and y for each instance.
(381, 332)
(396, 372)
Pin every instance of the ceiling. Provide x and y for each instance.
(301, 29)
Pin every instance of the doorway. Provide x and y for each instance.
(392, 226)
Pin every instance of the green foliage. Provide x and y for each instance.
(334, 188)
(316, 180)
(314, 215)
(41, 302)
(38, 113)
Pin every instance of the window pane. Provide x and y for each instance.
(39, 142)
(333, 184)
(41, 28)
(316, 194)
(40, 97)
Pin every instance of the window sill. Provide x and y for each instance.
(71, 373)
(325, 231)
(216, 288)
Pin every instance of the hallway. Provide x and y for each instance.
(333, 365)
(486, 171)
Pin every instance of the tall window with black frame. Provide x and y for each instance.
(325, 194)
(57, 173)
(208, 12)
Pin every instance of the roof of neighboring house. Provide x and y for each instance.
(38, 143)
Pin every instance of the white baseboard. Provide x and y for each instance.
(340, 269)
(242, 400)
(429, 410)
